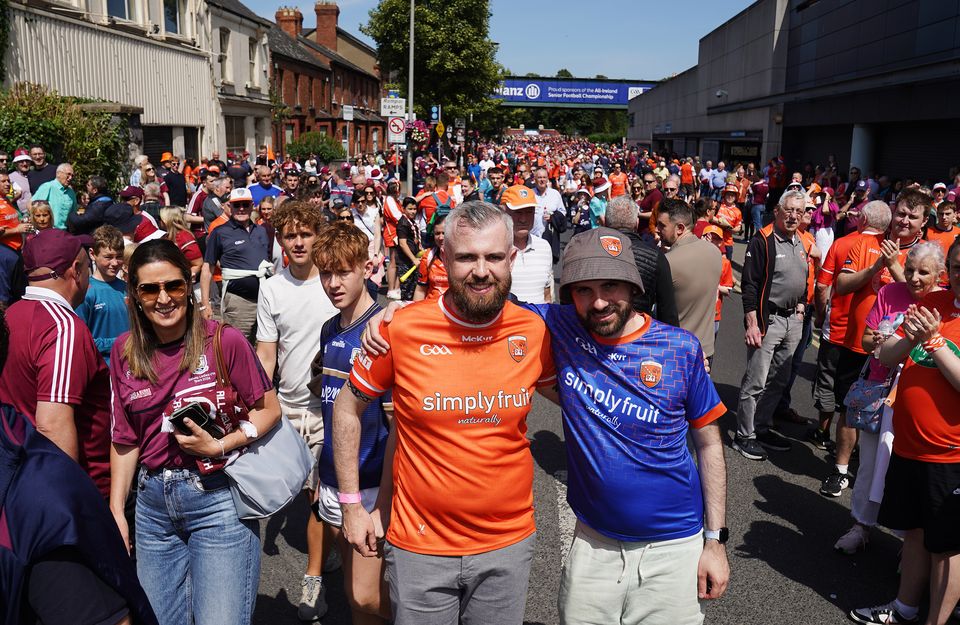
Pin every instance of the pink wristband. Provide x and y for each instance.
(348, 497)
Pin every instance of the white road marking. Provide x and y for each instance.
(567, 520)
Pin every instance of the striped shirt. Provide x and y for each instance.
(532, 271)
(53, 359)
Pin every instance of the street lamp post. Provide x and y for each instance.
(410, 106)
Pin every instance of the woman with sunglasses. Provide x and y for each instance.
(197, 561)
(366, 216)
(148, 174)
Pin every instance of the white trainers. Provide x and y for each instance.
(313, 599)
(854, 540)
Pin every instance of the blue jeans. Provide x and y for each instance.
(756, 211)
(197, 561)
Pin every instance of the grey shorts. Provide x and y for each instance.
(479, 589)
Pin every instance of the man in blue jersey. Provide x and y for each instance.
(650, 524)
(341, 255)
(650, 531)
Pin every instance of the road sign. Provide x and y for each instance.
(459, 123)
(460, 136)
(393, 107)
(396, 130)
(347, 113)
(435, 113)
(440, 128)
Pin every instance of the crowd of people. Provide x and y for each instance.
(270, 274)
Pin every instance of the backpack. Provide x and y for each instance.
(443, 209)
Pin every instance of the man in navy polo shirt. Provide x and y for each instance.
(242, 249)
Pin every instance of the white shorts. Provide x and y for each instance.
(309, 423)
(328, 506)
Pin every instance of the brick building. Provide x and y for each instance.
(315, 80)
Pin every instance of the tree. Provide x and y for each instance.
(454, 58)
(325, 147)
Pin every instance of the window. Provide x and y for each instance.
(287, 134)
(224, 58)
(122, 9)
(173, 16)
(296, 89)
(236, 135)
(252, 47)
(311, 97)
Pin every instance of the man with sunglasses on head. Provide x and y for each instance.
(243, 252)
(54, 374)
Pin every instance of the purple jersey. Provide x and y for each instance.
(139, 407)
(627, 406)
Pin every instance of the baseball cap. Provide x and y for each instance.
(120, 215)
(600, 184)
(21, 155)
(599, 254)
(518, 196)
(713, 230)
(940, 185)
(213, 168)
(241, 194)
(324, 170)
(861, 185)
(166, 156)
(131, 191)
(731, 188)
(56, 249)
(146, 231)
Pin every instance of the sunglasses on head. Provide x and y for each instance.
(150, 291)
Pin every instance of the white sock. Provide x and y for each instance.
(319, 578)
(906, 611)
(842, 469)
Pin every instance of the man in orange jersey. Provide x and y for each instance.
(461, 534)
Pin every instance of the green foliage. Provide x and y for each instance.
(4, 36)
(605, 137)
(93, 142)
(278, 108)
(454, 58)
(324, 146)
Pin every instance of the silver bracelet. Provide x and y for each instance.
(223, 452)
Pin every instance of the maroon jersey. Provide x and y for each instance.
(53, 359)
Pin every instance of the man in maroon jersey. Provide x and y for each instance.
(54, 374)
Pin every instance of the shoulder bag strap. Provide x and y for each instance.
(223, 374)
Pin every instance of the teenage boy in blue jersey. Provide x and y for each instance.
(104, 307)
(650, 531)
(341, 255)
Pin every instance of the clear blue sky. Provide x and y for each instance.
(619, 38)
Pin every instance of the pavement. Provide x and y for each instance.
(783, 567)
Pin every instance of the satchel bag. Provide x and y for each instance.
(866, 400)
(270, 471)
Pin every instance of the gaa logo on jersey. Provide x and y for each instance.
(611, 245)
(202, 367)
(650, 373)
(517, 347)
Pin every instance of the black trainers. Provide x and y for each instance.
(880, 615)
(749, 448)
(821, 439)
(773, 440)
(834, 485)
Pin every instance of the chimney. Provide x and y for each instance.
(290, 21)
(327, 13)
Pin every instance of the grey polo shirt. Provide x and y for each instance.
(789, 281)
(695, 268)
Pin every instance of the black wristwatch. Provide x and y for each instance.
(721, 535)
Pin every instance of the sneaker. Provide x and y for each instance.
(313, 599)
(854, 540)
(773, 440)
(749, 448)
(821, 439)
(880, 615)
(394, 294)
(333, 562)
(833, 486)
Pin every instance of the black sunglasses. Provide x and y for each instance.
(150, 291)
(344, 217)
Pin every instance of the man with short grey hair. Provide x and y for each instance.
(777, 280)
(57, 192)
(213, 205)
(657, 298)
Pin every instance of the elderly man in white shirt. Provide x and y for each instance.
(532, 274)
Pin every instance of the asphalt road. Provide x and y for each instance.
(782, 530)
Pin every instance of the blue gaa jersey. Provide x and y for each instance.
(627, 406)
(339, 350)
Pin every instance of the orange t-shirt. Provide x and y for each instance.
(733, 215)
(925, 413)
(462, 470)
(686, 174)
(726, 279)
(9, 219)
(433, 274)
(429, 206)
(839, 304)
(618, 184)
(391, 217)
(944, 239)
(218, 221)
(862, 255)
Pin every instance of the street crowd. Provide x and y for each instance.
(154, 338)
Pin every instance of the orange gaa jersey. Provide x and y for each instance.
(462, 470)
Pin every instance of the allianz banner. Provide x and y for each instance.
(560, 91)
